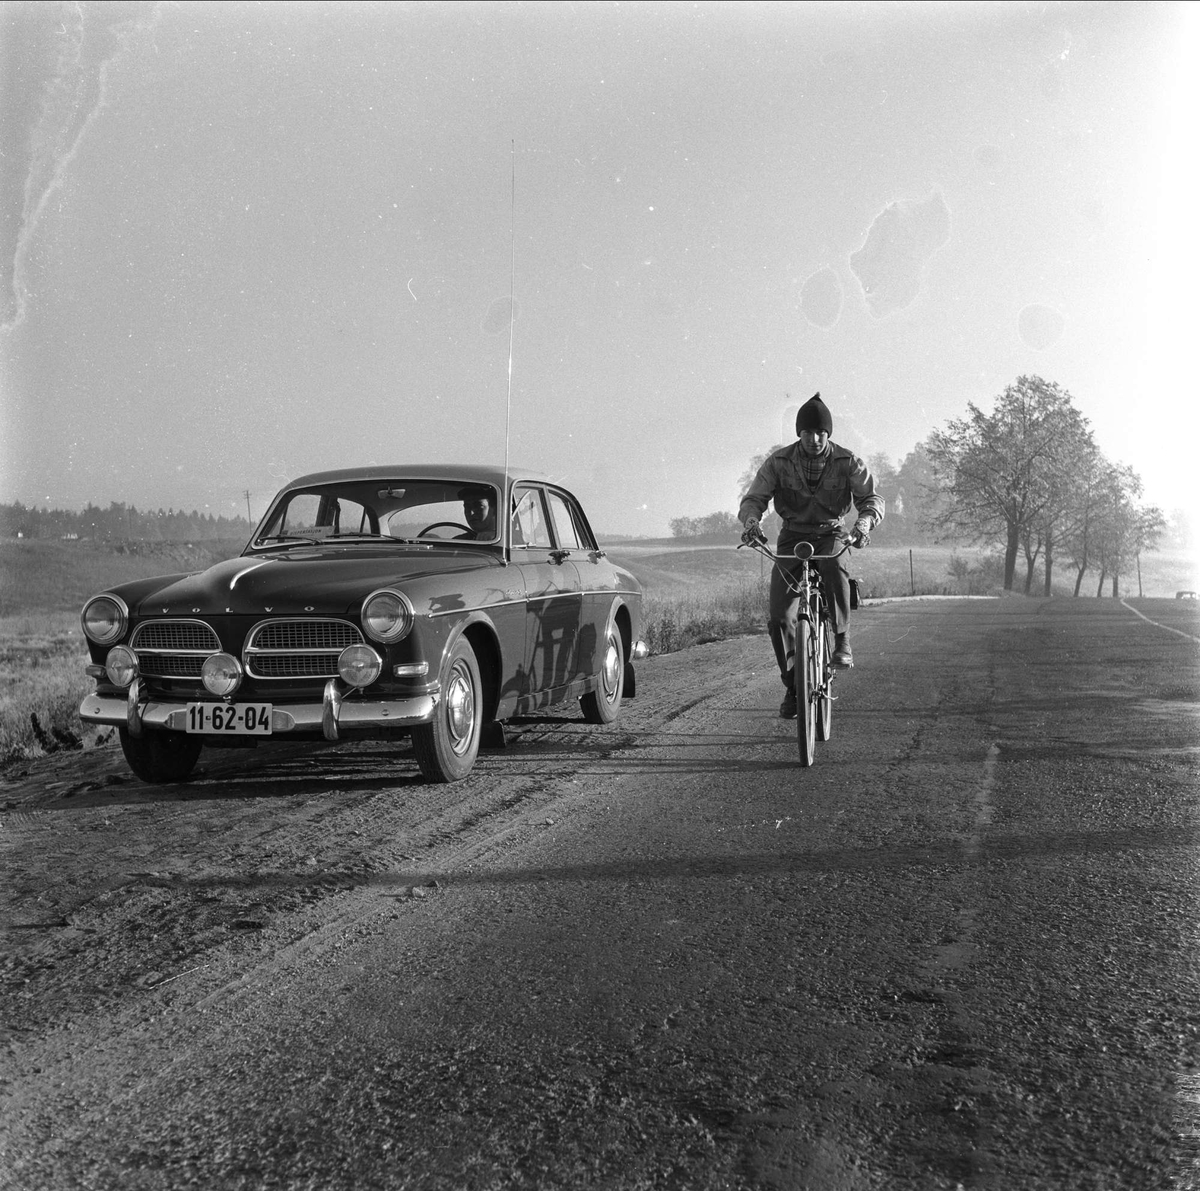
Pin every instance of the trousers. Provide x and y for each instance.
(784, 605)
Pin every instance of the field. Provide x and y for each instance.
(693, 594)
(702, 593)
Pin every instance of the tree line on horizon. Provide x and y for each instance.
(1026, 479)
(119, 523)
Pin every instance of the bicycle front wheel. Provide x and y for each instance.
(823, 693)
(806, 718)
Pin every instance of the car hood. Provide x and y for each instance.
(329, 581)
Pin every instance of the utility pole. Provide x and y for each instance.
(248, 515)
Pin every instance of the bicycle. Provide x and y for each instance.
(813, 664)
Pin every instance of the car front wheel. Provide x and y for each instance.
(446, 747)
(161, 757)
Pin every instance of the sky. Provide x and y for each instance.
(241, 242)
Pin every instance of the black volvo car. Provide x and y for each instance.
(435, 602)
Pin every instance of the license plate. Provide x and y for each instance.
(223, 719)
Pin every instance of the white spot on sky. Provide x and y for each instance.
(1040, 327)
(891, 263)
(821, 298)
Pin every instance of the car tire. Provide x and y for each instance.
(446, 747)
(602, 705)
(161, 757)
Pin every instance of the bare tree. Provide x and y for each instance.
(1006, 474)
(1085, 511)
(1124, 527)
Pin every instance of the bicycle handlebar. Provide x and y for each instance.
(802, 550)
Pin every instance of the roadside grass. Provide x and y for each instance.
(42, 660)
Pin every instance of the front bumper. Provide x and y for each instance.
(334, 714)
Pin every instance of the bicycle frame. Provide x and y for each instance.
(812, 664)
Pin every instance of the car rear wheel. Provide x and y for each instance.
(446, 747)
(602, 705)
(160, 757)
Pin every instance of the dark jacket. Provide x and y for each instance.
(808, 511)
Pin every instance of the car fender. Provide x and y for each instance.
(480, 630)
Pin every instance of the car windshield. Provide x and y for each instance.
(390, 510)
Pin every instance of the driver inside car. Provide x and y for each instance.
(479, 514)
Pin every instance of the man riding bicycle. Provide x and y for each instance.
(814, 484)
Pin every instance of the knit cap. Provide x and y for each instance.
(814, 415)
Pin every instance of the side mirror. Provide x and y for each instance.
(804, 550)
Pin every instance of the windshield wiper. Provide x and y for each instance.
(374, 537)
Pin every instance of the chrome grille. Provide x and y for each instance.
(304, 635)
(175, 636)
(297, 648)
(301, 665)
(173, 648)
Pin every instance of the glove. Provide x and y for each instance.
(752, 532)
(860, 535)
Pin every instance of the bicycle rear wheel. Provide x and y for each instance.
(806, 718)
(824, 681)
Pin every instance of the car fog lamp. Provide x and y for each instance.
(359, 665)
(104, 619)
(221, 674)
(387, 616)
(121, 665)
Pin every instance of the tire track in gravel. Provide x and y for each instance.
(267, 858)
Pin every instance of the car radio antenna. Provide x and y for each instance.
(512, 287)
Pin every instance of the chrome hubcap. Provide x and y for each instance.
(460, 709)
(610, 674)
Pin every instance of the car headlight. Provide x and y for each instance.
(121, 666)
(221, 674)
(387, 615)
(104, 619)
(359, 665)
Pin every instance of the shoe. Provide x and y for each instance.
(787, 709)
(842, 656)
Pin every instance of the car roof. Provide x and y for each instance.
(465, 472)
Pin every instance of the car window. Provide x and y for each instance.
(566, 534)
(319, 514)
(433, 510)
(442, 521)
(530, 527)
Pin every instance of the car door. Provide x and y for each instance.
(552, 593)
(571, 533)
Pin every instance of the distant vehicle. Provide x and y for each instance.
(1186, 595)
(379, 601)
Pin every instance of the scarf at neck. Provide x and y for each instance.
(814, 465)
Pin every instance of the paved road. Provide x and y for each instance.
(959, 951)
